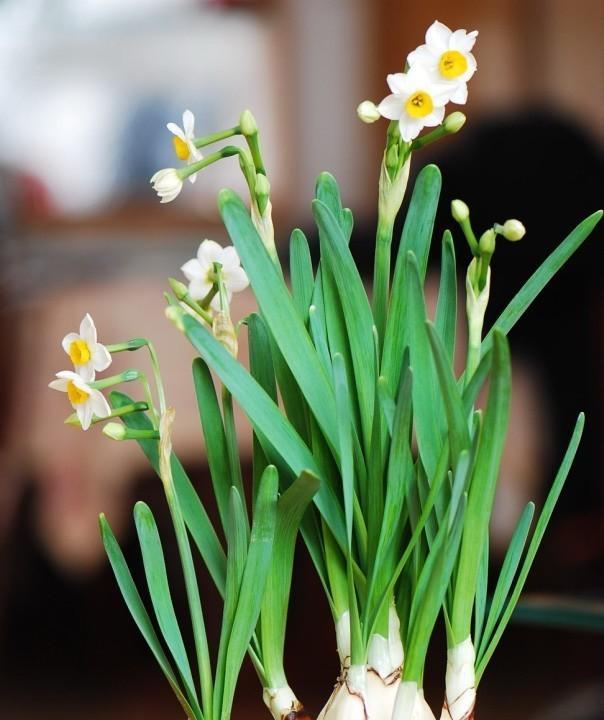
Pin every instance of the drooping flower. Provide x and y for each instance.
(200, 273)
(416, 102)
(87, 355)
(183, 140)
(447, 58)
(167, 183)
(86, 401)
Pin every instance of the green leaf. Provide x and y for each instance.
(280, 313)
(506, 577)
(139, 614)
(159, 591)
(252, 584)
(301, 273)
(459, 438)
(273, 617)
(194, 513)
(237, 539)
(427, 402)
(416, 237)
(480, 601)
(446, 306)
(482, 487)
(356, 308)
(539, 279)
(214, 437)
(544, 518)
(266, 418)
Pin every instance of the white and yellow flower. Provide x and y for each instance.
(184, 141)
(87, 355)
(447, 58)
(85, 400)
(416, 102)
(167, 183)
(199, 271)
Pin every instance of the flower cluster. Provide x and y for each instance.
(438, 73)
(88, 357)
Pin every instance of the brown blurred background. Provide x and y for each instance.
(86, 87)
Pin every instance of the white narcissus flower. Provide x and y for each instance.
(200, 271)
(416, 102)
(87, 355)
(86, 401)
(184, 145)
(167, 183)
(447, 58)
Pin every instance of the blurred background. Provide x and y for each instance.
(86, 88)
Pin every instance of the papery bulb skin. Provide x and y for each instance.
(283, 704)
(348, 700)
(381, 694)
(460, 682)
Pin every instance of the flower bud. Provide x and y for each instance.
(115, 431)
(513, 230)
(178, 288)
(368, 112)
(262, 189)
(248, 124)
(454, 122)
(486, 244)
(167, 183)
(460, 211)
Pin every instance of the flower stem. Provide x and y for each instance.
(216, 137)
(381, 274)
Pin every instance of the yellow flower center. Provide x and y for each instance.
(75, 394)
(181, 148)
(419, 104)
(452, 64)
(79, 352)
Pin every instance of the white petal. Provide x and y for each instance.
(192, 178)
(422, 56)
(209, 252)
(86, 372)
(437, 36)
(101, 357)
(68, 339)
(99, 404)
(188, 123)
(175, 130)
(434, 118)
(236, 279)
(410, 127)
(196, 154)
(199, 288)
(84, 413)
(60, 385)
(391, 107)
(229, 258)
(68, 375)
(460, 94)
(193, 269)
(397, 82)
(461, 40)
(88, 330)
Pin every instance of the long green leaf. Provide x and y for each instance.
(355, 305)
(482, 488)
(544, 518)
(252, 584)
(446, 307)
(301, 273)
(159, 591)
(139, 614)
(416, 237)
(266, 418)
(539, 279)
(280, 313)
